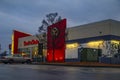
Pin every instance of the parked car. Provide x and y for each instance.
(16, 58)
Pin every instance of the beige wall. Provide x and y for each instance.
(107, 27)
(115, 28)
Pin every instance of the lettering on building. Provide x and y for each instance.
(31, 42)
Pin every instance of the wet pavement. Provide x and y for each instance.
(49, 72)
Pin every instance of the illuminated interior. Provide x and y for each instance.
(44, 52)
(35, 51)
(12, 49)
(72, 45)
(94, 44)
(24, 54)
(115, 41)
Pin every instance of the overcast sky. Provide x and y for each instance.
(26, 15)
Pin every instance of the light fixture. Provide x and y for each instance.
(72, 45)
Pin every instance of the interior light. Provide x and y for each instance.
(115, 41)
(94, 44)
(72, 45)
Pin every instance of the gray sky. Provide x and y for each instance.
(26, 15)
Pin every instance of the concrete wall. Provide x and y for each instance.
(89, 30)
(71, 53)
(106, 27)
(115, 27)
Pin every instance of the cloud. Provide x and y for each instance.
(26, 15)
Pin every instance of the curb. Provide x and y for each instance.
(80, 64)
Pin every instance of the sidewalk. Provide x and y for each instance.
(82, 64)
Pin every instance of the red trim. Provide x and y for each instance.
(17, 35)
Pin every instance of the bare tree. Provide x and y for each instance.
(51, 18)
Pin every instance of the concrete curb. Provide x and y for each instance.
(81, 64)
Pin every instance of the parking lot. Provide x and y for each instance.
(49, 72)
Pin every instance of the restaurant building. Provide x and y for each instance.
(86, 42)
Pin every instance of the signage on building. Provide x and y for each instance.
(31, 42)
(15, 37)
(56, 42)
